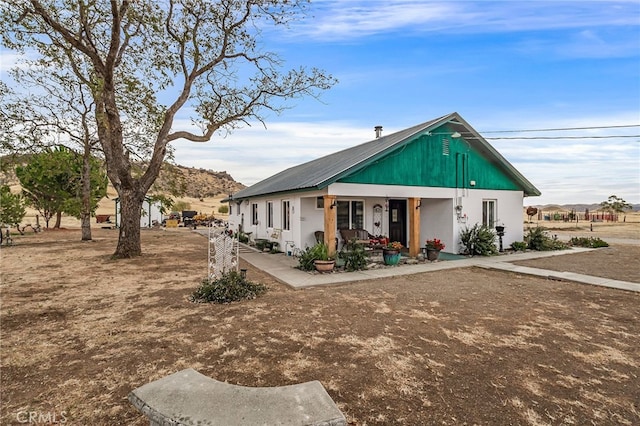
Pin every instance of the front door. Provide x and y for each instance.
(398, 221)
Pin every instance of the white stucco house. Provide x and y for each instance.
(428, 181)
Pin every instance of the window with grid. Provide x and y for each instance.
(489, 213)
(350, 214)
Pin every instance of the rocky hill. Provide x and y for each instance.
(174, 180)
(195, 182)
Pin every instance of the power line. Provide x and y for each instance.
(564, 137)
(563, 129)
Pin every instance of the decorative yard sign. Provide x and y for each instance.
(223, 253)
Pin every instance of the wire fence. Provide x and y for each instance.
(574, 216)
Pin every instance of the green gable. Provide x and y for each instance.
(434, 159)
(423, 155)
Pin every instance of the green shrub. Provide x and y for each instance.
(242, 237)
(231, 287)
(478, 240)
(538, 239)
(223, 209)
(355, 257)
(319, 251)
(305, 259)
(519, 245)
(587, 242)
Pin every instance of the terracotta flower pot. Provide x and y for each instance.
(324, 265)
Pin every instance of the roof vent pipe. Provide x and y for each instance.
(378, 130)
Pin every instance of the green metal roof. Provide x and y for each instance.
(321, 172)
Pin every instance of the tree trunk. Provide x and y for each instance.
(85, 213)
(130, 212)
(58, 220)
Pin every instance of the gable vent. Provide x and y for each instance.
(445, 146)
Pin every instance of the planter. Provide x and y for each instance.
(391, 257)
(432, 254)
(324, 265)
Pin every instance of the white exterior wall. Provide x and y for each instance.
(439, 217)
(437, 220)
(508, 211)
(241, 214)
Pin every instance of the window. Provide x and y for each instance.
(319, 202)
(350, 214)
(269, 214)
(489, 213)
(286, 215)
(254, 214)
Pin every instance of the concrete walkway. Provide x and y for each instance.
(282, 268)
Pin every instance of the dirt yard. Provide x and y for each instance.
(79, 331)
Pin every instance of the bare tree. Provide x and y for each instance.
(202, 54)
(59, 113)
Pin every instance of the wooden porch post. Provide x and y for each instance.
(330, 224)
(414, 227)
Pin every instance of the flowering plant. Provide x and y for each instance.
(435, 244)
(394, 245)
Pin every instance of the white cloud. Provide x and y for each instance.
(255, 153)
(565, 171)
(340, 20)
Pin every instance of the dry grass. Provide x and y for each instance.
(80, 331)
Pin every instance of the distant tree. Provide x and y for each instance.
(202, 56)
(52, 183)
(46, 183)
(12, 208)
(83, 202)
(615, 204)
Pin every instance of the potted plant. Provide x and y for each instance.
(322, 261)
(391, 253)
(433, 248)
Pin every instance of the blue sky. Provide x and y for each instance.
(503, 65)
(509, 65)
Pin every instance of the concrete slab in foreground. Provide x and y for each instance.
(190, 398)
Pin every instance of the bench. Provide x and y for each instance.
(190, 398)
(360, 236)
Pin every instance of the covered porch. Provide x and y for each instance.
(408, 220)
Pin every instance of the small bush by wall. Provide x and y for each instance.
(478, 240)
(355, 257)
(519, 245)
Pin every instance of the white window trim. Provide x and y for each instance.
(490, 201)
